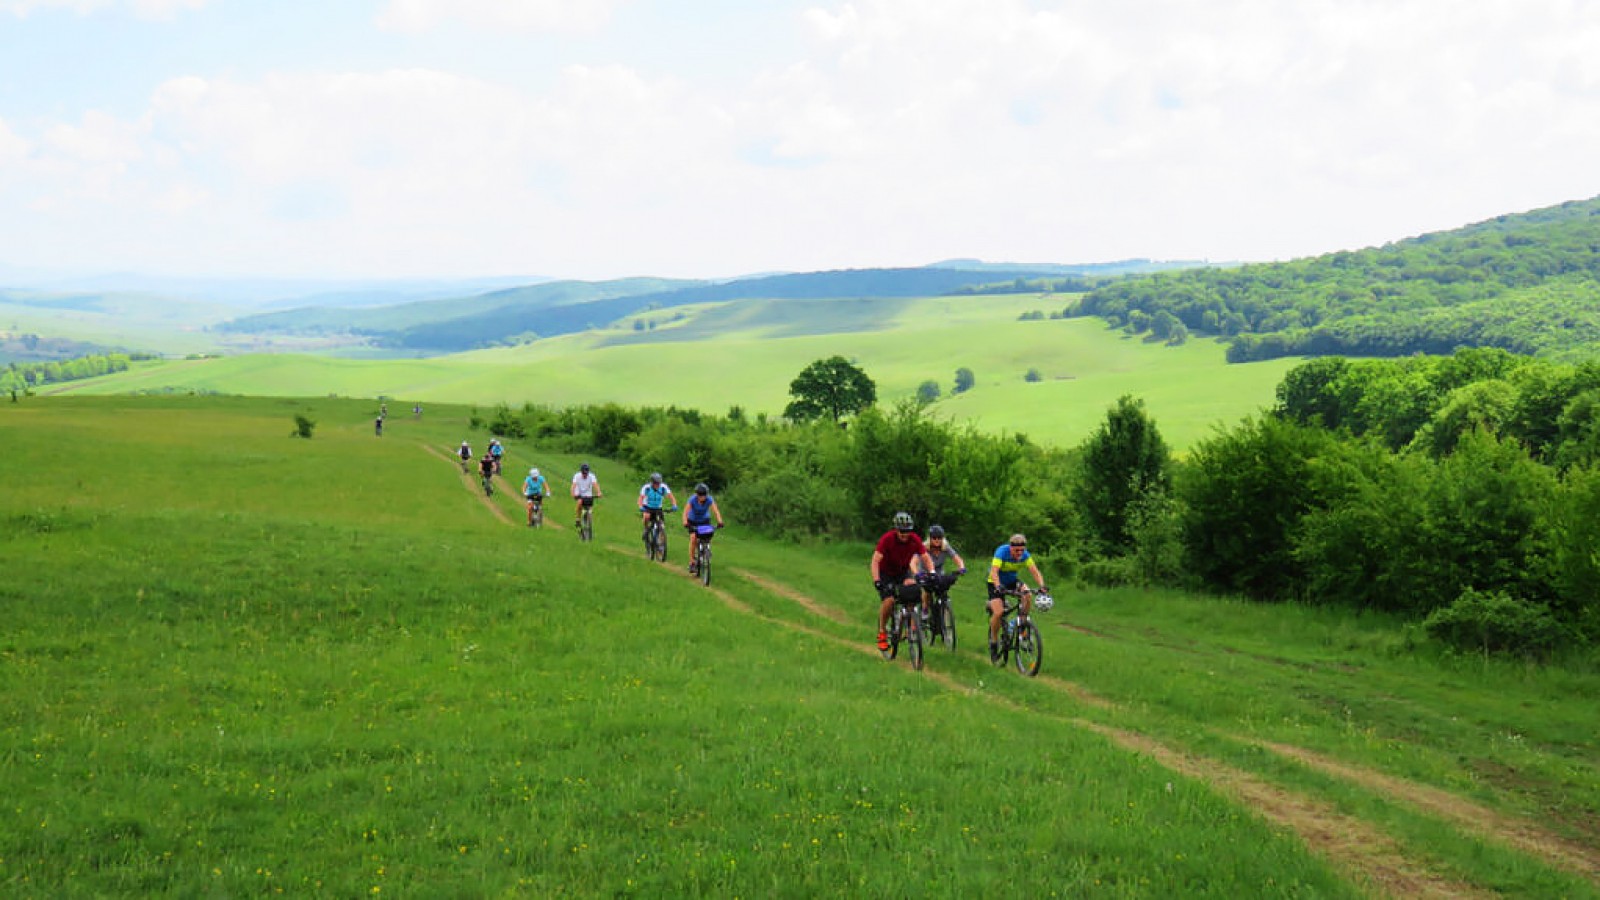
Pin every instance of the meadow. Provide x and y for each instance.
(745, 354)
(242, 662)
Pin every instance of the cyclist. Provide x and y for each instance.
(377, 426)
(1009, 559)
(585, 490)
(653, 494)
(892, 572)
(697, 516)
(496, 451)
(942, 552)
(486, 466)
(534, 487)
(465, 452)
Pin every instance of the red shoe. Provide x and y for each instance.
(883, 642)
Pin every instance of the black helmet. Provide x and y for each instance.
(935, 531)
(702, 489)
(902, 522)
(584, 467)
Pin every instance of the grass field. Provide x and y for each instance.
(746, 354)
(238, 662)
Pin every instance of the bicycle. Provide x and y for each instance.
(905, 626)
(586, 524)
(941, 619)
(655, 534)
(702, 552)
(1019, 638)
(488, 485)
(535, 512)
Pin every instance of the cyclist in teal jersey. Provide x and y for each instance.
(653, 495)
(1009, 559)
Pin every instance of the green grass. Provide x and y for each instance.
(746, 354)
(241, 662)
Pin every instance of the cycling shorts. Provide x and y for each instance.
(533, 498)
(997, 591)
(586, 501)
(655, 514)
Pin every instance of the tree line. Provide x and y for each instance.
(1528, 283)
(1462, 492)
(27, 376)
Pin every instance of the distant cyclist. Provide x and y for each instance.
(465, 453)
(891, 570)
(377, 426)
(585, 490)
(534, 487)
(486, 467)
(653, 496)
(1009, 559)
(698, 514)
(496, 451)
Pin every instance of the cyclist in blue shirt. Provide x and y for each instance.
(1009, 559)
(697, 516)
(498, 452)
(653, 495)
(534, 487)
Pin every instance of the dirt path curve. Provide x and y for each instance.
(789, 593)
(472, 483)
(1521, 834)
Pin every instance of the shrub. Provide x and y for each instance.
(1495, 622)
(303, 427)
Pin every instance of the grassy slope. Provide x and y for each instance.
(746, 354)
(240, 662)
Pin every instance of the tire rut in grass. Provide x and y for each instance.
(472, 485)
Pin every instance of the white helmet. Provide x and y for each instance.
(533, 473)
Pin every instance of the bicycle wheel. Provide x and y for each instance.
(914, 640)
(661, 542)
(488, 486)
(946, 618)
(650, 542)
(538, 514)
(896, 623)
(1030, 649)
(705, 562)
(586, 526)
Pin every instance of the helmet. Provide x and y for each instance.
(463, 443)
(935, 531)
(655, 477)
(702, 489)
(902, 521)
(533, 473)
(584, 467)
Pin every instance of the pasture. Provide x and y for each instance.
(241, 662)
(746, 353)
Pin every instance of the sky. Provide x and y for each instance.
(711, 138)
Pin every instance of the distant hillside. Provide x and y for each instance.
(567, 307)
(1107, 269)
(1528, 283)
(403, 318)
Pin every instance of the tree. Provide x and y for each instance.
(928, 392)
(1033, 376)
(1124, 460)
(964, 379)
(830, 387)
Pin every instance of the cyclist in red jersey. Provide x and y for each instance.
(892, 572)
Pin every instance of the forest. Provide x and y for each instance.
(1529, 283)
(23, 376)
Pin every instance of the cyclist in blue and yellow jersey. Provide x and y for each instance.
(1009, 559)
(534, 487)
(697, 516)
(653, 495)
(892, 573)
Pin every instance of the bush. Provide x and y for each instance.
(506, 424)
(1118, 571)
(1495, 622)
(303, 427)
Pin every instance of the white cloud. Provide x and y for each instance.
(517, 15)
(144, 9)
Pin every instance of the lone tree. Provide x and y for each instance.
(964, 379)
(1123, 461)
(829, 387)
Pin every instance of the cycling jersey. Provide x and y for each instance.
(1008, 566)
(497, 450)
(534, 488)
(898, 554)
(584, 485)
(942, 557)
(651, 496)
(700, 510)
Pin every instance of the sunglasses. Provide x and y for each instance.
(1019, 546)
